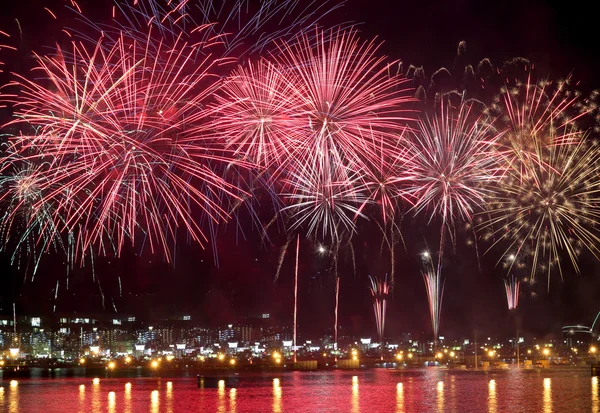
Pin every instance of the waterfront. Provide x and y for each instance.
(374, 390)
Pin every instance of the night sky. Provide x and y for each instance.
(559, 38)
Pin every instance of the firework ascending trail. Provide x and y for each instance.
(512, 292)
(379, 290)
(122, 135)
(434, 285)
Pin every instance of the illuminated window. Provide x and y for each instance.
(36, 321)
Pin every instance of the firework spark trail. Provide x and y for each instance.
(512, 292)
(335, 322)
(380, 291)
(124, 135)
(550, 207)
(296, 293)
(435, 292)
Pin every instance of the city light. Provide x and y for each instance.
(232, 362)
(221, 357)
(154, 364)
(111, 365)
(546, 351)
(127, 359)
(82, 361)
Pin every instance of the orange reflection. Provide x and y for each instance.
(169, 397)
(127, 397)
(96, 403)
(440, 396)
(221, 397)
(595, 400)
(154, 402)
(492, 402)
(399, 398)
(111, 402)
(13, 397)
(232, 396)
(355, 401)
(547, 395)
(82, 406)
(276, 396)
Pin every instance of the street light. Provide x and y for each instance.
(111, 365)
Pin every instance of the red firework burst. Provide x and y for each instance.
(120, 126)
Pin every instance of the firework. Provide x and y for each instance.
(380, 291)
(242, 27)
(28, 223)
(122, 135)
(253, 114)
(451, 161)
(546, 206)
(342, 93)
(324, 203)
(512, 292)
(434, 284)
(536, 114)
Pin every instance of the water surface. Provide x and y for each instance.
(378, 390)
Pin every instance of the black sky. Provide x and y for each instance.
(558, 37)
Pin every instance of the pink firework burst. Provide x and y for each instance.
(452, 159)
(120, 125)
(342, 91)
(253, 114)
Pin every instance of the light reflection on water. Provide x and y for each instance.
(111, 402)
(399, 398)
(221, 395)
(492, 403)
(276, 395)
(127, 397)
(595, 401)
(431, 390)
(440, 396)
(169, 397)
(547, 395)
(154, 402)
(355, 400)
(13, 397)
